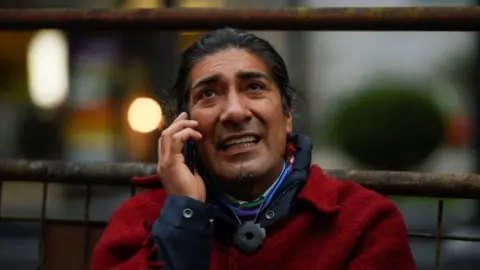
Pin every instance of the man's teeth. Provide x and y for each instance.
(248, 139)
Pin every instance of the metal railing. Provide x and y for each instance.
(119, 174)
(338, 19)
(92, 174)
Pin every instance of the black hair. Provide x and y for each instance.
(226, 38)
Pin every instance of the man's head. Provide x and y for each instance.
(237, 87)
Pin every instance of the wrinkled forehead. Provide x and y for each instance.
(228, 65)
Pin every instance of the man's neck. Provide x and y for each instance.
(249, 189)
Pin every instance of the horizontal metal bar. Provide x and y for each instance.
(56, 221)
(340, 19)
(104, 173)
(445, 237)
(101, 224)
(438, 185)
(96, 173)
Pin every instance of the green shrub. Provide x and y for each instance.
(388, 126)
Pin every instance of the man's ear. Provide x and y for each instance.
(289, 122)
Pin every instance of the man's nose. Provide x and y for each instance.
(235, 109)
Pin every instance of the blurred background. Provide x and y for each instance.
(370, 100)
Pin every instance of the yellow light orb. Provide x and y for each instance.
(144, 115)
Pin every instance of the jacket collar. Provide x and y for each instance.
(317, 188)
(320, 191)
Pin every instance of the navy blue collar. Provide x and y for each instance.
(303, 158)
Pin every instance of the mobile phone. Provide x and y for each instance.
(189, 154)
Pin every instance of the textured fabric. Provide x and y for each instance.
(177, 235)
(331, 225)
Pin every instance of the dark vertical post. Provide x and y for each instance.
(298, 70)
(42, 240)
(476, 114)
(87, 227)
(168, 3)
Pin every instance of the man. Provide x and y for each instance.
(246, 195)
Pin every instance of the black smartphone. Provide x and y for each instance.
(189, 154)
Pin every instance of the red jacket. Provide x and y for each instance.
(332, 225)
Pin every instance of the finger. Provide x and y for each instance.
(181, 116)
(179, 139)
(159, 148)
(159, 155)
(177, 126)
(167, 133)
(162, 124)
(186, 134)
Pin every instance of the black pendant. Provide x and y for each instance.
(249, 237)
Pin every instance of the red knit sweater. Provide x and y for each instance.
(332, 225)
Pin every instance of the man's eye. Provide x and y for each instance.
(255, 86)
(208, 93)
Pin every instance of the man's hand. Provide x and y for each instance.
(176, 177)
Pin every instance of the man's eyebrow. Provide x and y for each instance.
(207, 80)
(242, 75)
(253, 75)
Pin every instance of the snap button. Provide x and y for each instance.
(270, 215)
(187, 213)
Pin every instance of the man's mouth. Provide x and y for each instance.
(245, 141)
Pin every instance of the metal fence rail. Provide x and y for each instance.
(119, 174)
(339, 19)
(104, 173)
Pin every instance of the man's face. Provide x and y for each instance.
(239, 110)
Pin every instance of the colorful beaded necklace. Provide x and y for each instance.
(244, 210)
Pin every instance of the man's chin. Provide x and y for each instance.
(239, 172)
(245, 164)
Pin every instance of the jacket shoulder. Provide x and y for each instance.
(351, 192)
(145, 205)
(364, 203)
(125, 242)
(348, 196)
